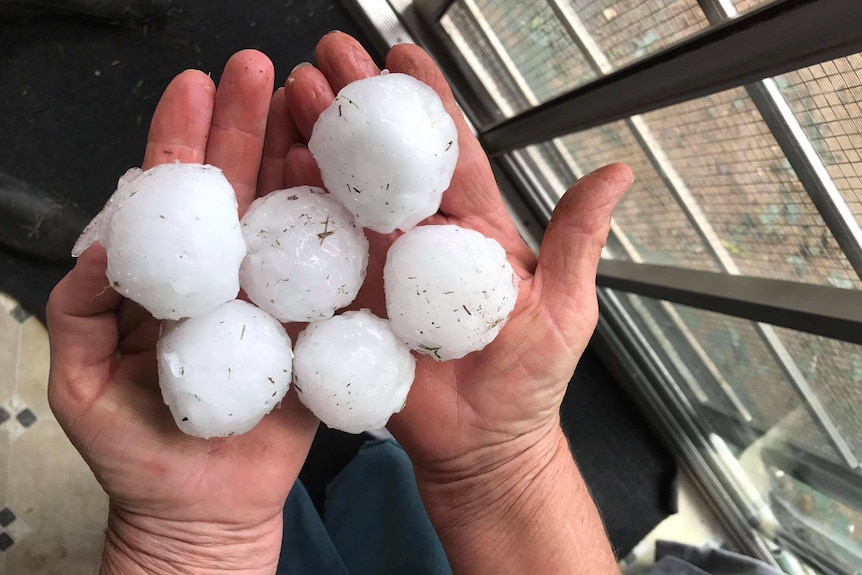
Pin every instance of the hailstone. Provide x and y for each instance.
(352, 372)
(386, 149)
(220, 373)
(173, 239)
(449, 290)
(306, 255)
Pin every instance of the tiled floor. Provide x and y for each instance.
(52, 511)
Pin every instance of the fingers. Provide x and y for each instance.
(300, 169)
(572, 247)
(242, 103)
(281, 135)
(82, 323)
(308, 93)
(181, 122)
(343, 60)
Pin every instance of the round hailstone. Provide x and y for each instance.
(306, 254)
(352, 371)
(449, 290)
(222, 372)
(386, 149)
(173, 239)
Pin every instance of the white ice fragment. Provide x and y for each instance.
(220, 373)
(173, 239)
(352, 371)
(387, 149)
(306, 254)
(449, 290)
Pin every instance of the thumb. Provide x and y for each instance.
(572, 247)
(82, 326)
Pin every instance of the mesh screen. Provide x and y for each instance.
(674, 241)
(497, 81)
(627, 30)
(742, 357)
(827, 102)
(834, 371)
(538, 45)
(727, 156)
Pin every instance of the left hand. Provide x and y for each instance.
(177, 502)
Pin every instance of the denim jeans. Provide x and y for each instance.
(374, 524)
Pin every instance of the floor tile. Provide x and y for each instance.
(10, 345)
(33, 367)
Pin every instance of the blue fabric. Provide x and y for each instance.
(375, 523)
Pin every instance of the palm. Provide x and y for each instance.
(106, 393)
(515, 385)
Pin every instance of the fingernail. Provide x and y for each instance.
(298, 145)
(300, 65)
(333, 32)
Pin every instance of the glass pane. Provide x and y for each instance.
(474, 47)
(746, 5)
(783, 454)
(827, 102)
(542, 53)
(627, 30)
(724, 152)
(674, 242)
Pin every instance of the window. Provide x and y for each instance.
(742, 120)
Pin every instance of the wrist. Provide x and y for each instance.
(141, 545)
(491, 482)
(525, 510)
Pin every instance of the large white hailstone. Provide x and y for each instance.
(222, 372)
(386, 149)
(306, 254)
(173, 240)
(352, 371)
(449, 290)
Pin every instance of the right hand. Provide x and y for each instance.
(490, 419)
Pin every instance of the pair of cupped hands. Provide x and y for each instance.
(476, 429)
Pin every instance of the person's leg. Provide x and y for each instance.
(306, 548)
(376, 518)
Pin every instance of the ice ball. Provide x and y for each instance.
(352, 371)
(449, 290)
(173, 239)
(220, 373)
(386, 149)
(306, 254)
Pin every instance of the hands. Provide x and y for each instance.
(483, 432)
(177, 503)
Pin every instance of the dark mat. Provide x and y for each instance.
(77, 94)
(630, 474)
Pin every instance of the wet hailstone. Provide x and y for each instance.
(220, 373)
(387, 150)
(449, 290)
(173, 239)
(306, 254)
(352, 372)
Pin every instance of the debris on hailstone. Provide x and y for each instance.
(449, 290)
(352, 372)
(386, 148)
(173, 239)
(220, 373)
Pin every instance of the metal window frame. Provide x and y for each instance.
(775, 39)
